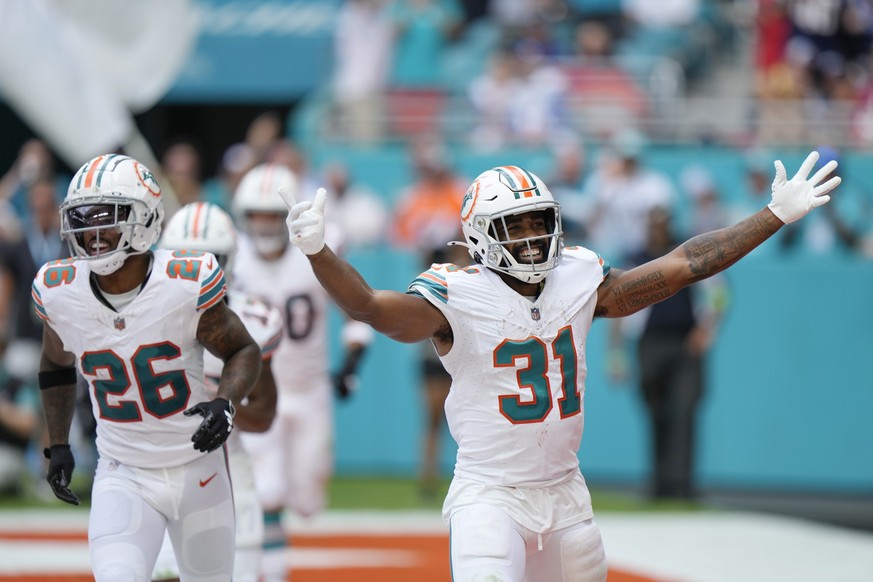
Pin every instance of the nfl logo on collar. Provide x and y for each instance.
(119, 323)
(535, 313)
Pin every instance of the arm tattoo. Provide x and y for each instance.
(638, 293)
(714, 252)
(705, 255)
(214, 335)
(222, 333)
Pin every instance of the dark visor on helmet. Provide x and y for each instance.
(96, 215)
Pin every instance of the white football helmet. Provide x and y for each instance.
(204, 227)
(258, 192)
(508, 191)
(111, 191)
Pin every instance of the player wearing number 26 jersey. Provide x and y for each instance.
(144, 365)
(134, 323)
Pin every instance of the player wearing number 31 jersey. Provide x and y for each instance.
(512, 330)
(134, 323)
(535, 348)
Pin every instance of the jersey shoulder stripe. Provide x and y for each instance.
(269, 348)
(38, 307)
(212, 290)
(52, 278)
(432, 282)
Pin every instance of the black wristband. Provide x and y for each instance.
(47, 452)
(352, 360)
(61, 377)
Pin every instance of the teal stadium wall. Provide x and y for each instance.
(789, 403)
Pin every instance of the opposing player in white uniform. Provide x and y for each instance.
(293, 461)
(512, 332)
(205, 227)
(135, 323)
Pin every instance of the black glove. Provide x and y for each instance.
(60, 471)
(344, 385)
(216, 426)
(346, 380)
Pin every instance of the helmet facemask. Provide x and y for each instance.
(527, 259)
(256, 201)
(115, 198)
(493, 219)
(131, 219)
(267, 231)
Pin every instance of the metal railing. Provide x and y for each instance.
(660, 108)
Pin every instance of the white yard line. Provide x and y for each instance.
(44, 557)
(728, 547)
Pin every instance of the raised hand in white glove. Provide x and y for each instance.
(794, 198)
(306, 221)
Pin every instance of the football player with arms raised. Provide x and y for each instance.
(205, 227)
(511, 330)
(134, 322)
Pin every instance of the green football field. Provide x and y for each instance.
(375, 492)
(404, 493)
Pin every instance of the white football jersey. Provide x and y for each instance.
(264, 324)
(144, 365)
(518, 369)
(289, 285)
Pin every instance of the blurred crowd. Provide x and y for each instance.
(525, 71)
(813, 61)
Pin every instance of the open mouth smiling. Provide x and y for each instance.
(97, 247)
(532, 254)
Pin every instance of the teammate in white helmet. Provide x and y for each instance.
(293, 461)
(205, 227)
(135, 322)
(512, 330)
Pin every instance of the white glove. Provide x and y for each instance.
(794, 198)
(306, 221)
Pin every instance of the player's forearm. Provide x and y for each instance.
(58, 405)
(253, 418)
(344, 284)
(260, 409)
(239, 373)
(713, 252)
